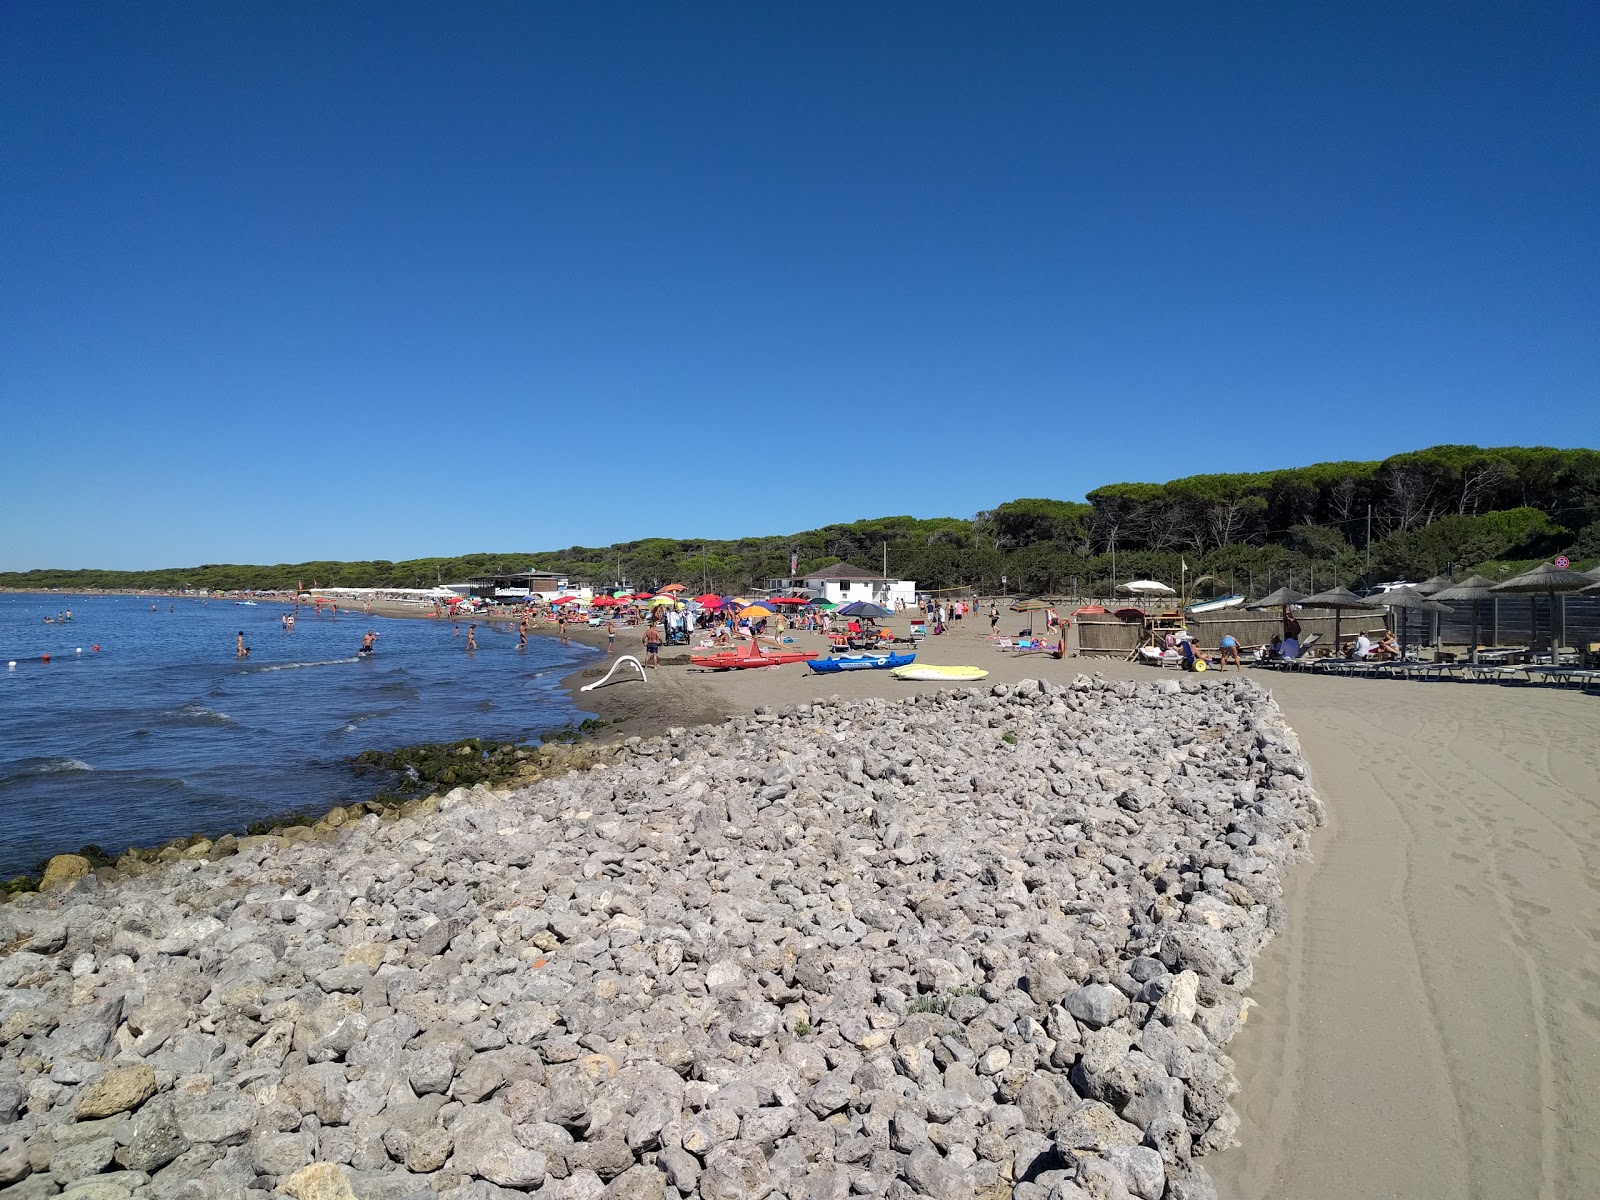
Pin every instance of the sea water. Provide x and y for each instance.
(163, 732)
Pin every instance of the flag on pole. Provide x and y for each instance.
(794, 562)
(1185, 565)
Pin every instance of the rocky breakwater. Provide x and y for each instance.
(962, 944)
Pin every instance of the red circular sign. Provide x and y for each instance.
(1563, 561)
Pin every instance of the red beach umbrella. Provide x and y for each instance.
(795, 600)
(565, 600)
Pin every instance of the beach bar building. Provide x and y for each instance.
(843, 583)
(519, 585)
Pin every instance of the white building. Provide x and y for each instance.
(842, 583)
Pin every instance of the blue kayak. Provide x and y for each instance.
(860, 662)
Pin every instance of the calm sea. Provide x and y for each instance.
(162, 732)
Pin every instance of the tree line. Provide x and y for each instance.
(1411, 516)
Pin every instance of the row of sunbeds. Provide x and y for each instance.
(1407, 668)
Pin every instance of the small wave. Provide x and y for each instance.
(199, 714)
(28, 768)
(50, 766)
(332, 662)
(360, 719)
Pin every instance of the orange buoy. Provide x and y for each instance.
(46, 658)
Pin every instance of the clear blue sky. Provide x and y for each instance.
(290, 281)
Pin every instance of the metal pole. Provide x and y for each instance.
(1366, 571)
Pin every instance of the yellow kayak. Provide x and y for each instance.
(929, 671)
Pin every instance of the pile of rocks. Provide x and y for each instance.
(965, 944)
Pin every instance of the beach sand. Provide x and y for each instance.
(1430, 1023)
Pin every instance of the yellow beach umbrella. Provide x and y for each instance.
(754, 613)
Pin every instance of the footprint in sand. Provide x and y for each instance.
(1456, 854)
(1529, 907)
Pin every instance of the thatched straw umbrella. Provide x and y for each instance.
(1339, 599)
(1409, 600)
(1284, 598)
(1473, 588)
(1548, 579)
(1428, 587)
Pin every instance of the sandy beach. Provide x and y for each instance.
(1427, 1027)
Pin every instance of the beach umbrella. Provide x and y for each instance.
(797, 601)
(1409, 600)
(1548, 579)
(604, 602)
(754, 612)
(674, 587)
(710, 600)
(1473, 588)
(865, 609)
(662, 601)
(1437, 584)
(1030, 606)
(1282, 598)
(1146, 587)
(824, 605)
(565, 600)
(1339, 599)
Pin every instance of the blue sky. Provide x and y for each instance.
(298, 281)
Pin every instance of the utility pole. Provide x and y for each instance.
(1367, 570)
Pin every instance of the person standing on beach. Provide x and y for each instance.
(611, 636)
(472, 637)
(652, 645)
(1230, 645)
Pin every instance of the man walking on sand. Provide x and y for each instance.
(652, 645)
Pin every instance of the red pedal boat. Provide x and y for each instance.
(750, 655)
